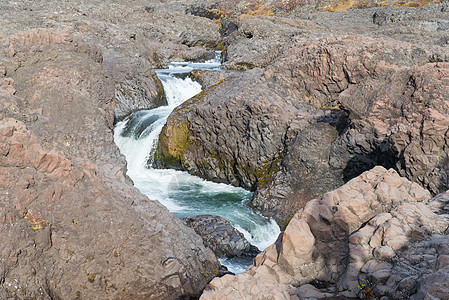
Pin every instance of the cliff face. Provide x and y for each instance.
(332, 101)
(77, 229)
(73, 226)
(328, 111)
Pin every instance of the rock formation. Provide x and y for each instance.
(75, 229)
(313, 101)
(324, 110)
(73, 226)
(375, 236)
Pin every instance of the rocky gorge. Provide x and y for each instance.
(334, 113)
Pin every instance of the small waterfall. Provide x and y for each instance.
(183, 194)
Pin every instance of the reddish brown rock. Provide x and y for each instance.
(72, 224)
(407, 112)
(244, 286)
(71, 229)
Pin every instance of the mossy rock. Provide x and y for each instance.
(175, 136)
(173, 142)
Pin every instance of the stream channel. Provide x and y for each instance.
(183, 194)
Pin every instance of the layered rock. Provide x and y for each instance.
(134, 38)
(208, 78)
(405, 116)
(182, 28)
(72, 224)
(229, 133)
(258, 41)
(137, 85)
(219, 235)
(361, 239)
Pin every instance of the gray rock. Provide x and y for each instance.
(137, 86)
(73, 228)
(208, 78)
(219, 235)
(260, 129)
(258, 41)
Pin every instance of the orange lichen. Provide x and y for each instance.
(367, 292)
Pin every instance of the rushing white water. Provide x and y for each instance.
(184, 194)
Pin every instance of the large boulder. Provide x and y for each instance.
(72, 229)
(208, 78)
(169, 21)
(359, 240)
(404, 115)
(232, 131)
(259, 40)
(221, 237)
(137, 86)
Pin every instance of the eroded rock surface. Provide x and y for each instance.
(284, 132)
(376, 234)
(365, 87)
(134, 38)
(208, 78)
(73, 229)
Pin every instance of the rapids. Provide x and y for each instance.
(183, 194)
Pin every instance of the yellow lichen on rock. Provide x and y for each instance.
(36, 222)
(344, 5)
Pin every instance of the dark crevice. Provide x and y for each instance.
(366, 161)
(337, 118)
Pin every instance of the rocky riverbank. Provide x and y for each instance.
(73, 226)
(341, 94)
(338, 121)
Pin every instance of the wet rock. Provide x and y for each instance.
(219, 235)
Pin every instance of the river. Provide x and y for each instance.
(183, 194)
